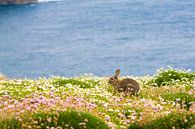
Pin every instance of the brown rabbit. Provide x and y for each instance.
(127, 85)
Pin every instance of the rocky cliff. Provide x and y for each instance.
(17, 1)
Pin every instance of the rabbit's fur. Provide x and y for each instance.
(126, 85)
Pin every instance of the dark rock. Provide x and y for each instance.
(17, 1)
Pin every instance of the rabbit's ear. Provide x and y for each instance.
(117, 73)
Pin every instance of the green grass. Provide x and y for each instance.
(76, 82)
(10, 124)
(173, 120)
(68, 119)
(183, 99)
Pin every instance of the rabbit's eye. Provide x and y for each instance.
(112, 78)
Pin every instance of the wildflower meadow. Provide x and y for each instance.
(166, 100)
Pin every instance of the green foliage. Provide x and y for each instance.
(68, 119)
(16, 88)
(81, 84)
(171, 76)
(184, 99)
(17, 83)
(72, 118)
(44, 120)
(173, 120)
(10, 124)
(65, 120)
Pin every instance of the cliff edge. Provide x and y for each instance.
(17, 1)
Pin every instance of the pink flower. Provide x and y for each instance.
(5, 103)
(28, 108)
(41, 97)
(34, 106)
(10, 106)
(192, 108)
(49, 119)
(107, 118)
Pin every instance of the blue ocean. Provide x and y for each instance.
(74, 37)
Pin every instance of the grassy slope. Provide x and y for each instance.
(24, 97)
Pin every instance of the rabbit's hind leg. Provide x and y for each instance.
(130, 89)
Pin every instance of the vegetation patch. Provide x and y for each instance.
(185, 100)
(172, 76)
(172, 120)
(76, 82)
(66, 120)
(12, 123)
(69, 119)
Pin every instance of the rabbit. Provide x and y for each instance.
(126, 85)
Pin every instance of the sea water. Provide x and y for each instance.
(73, 37)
